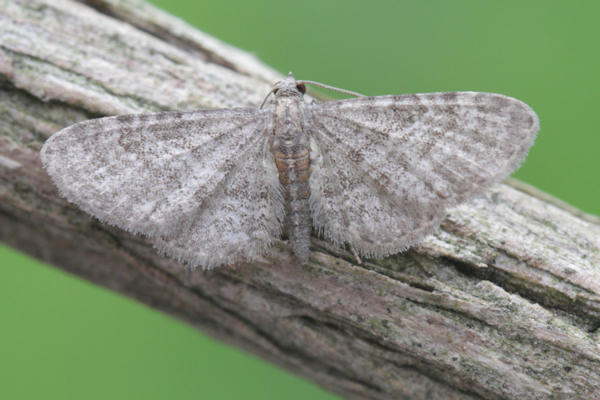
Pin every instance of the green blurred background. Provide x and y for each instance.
(62, 338)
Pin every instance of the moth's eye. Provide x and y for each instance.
(301, 88)
(275, 90)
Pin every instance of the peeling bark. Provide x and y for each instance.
(502, 302)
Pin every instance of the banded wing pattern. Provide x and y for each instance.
(386, 168)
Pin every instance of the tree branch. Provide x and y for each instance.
(502, 302)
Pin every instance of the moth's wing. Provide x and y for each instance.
(198, 184)
(385, 168)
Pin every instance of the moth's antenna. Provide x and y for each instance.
(324, 86)
(266, 97)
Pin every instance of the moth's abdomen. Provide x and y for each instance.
(293, 164)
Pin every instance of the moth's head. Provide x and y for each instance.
(289, 87)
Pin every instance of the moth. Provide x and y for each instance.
(214, 187)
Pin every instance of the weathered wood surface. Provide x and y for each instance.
(502, 302)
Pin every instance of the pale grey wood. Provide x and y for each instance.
(502, 302)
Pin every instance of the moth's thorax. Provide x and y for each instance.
(288, 118)
(290, 145)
